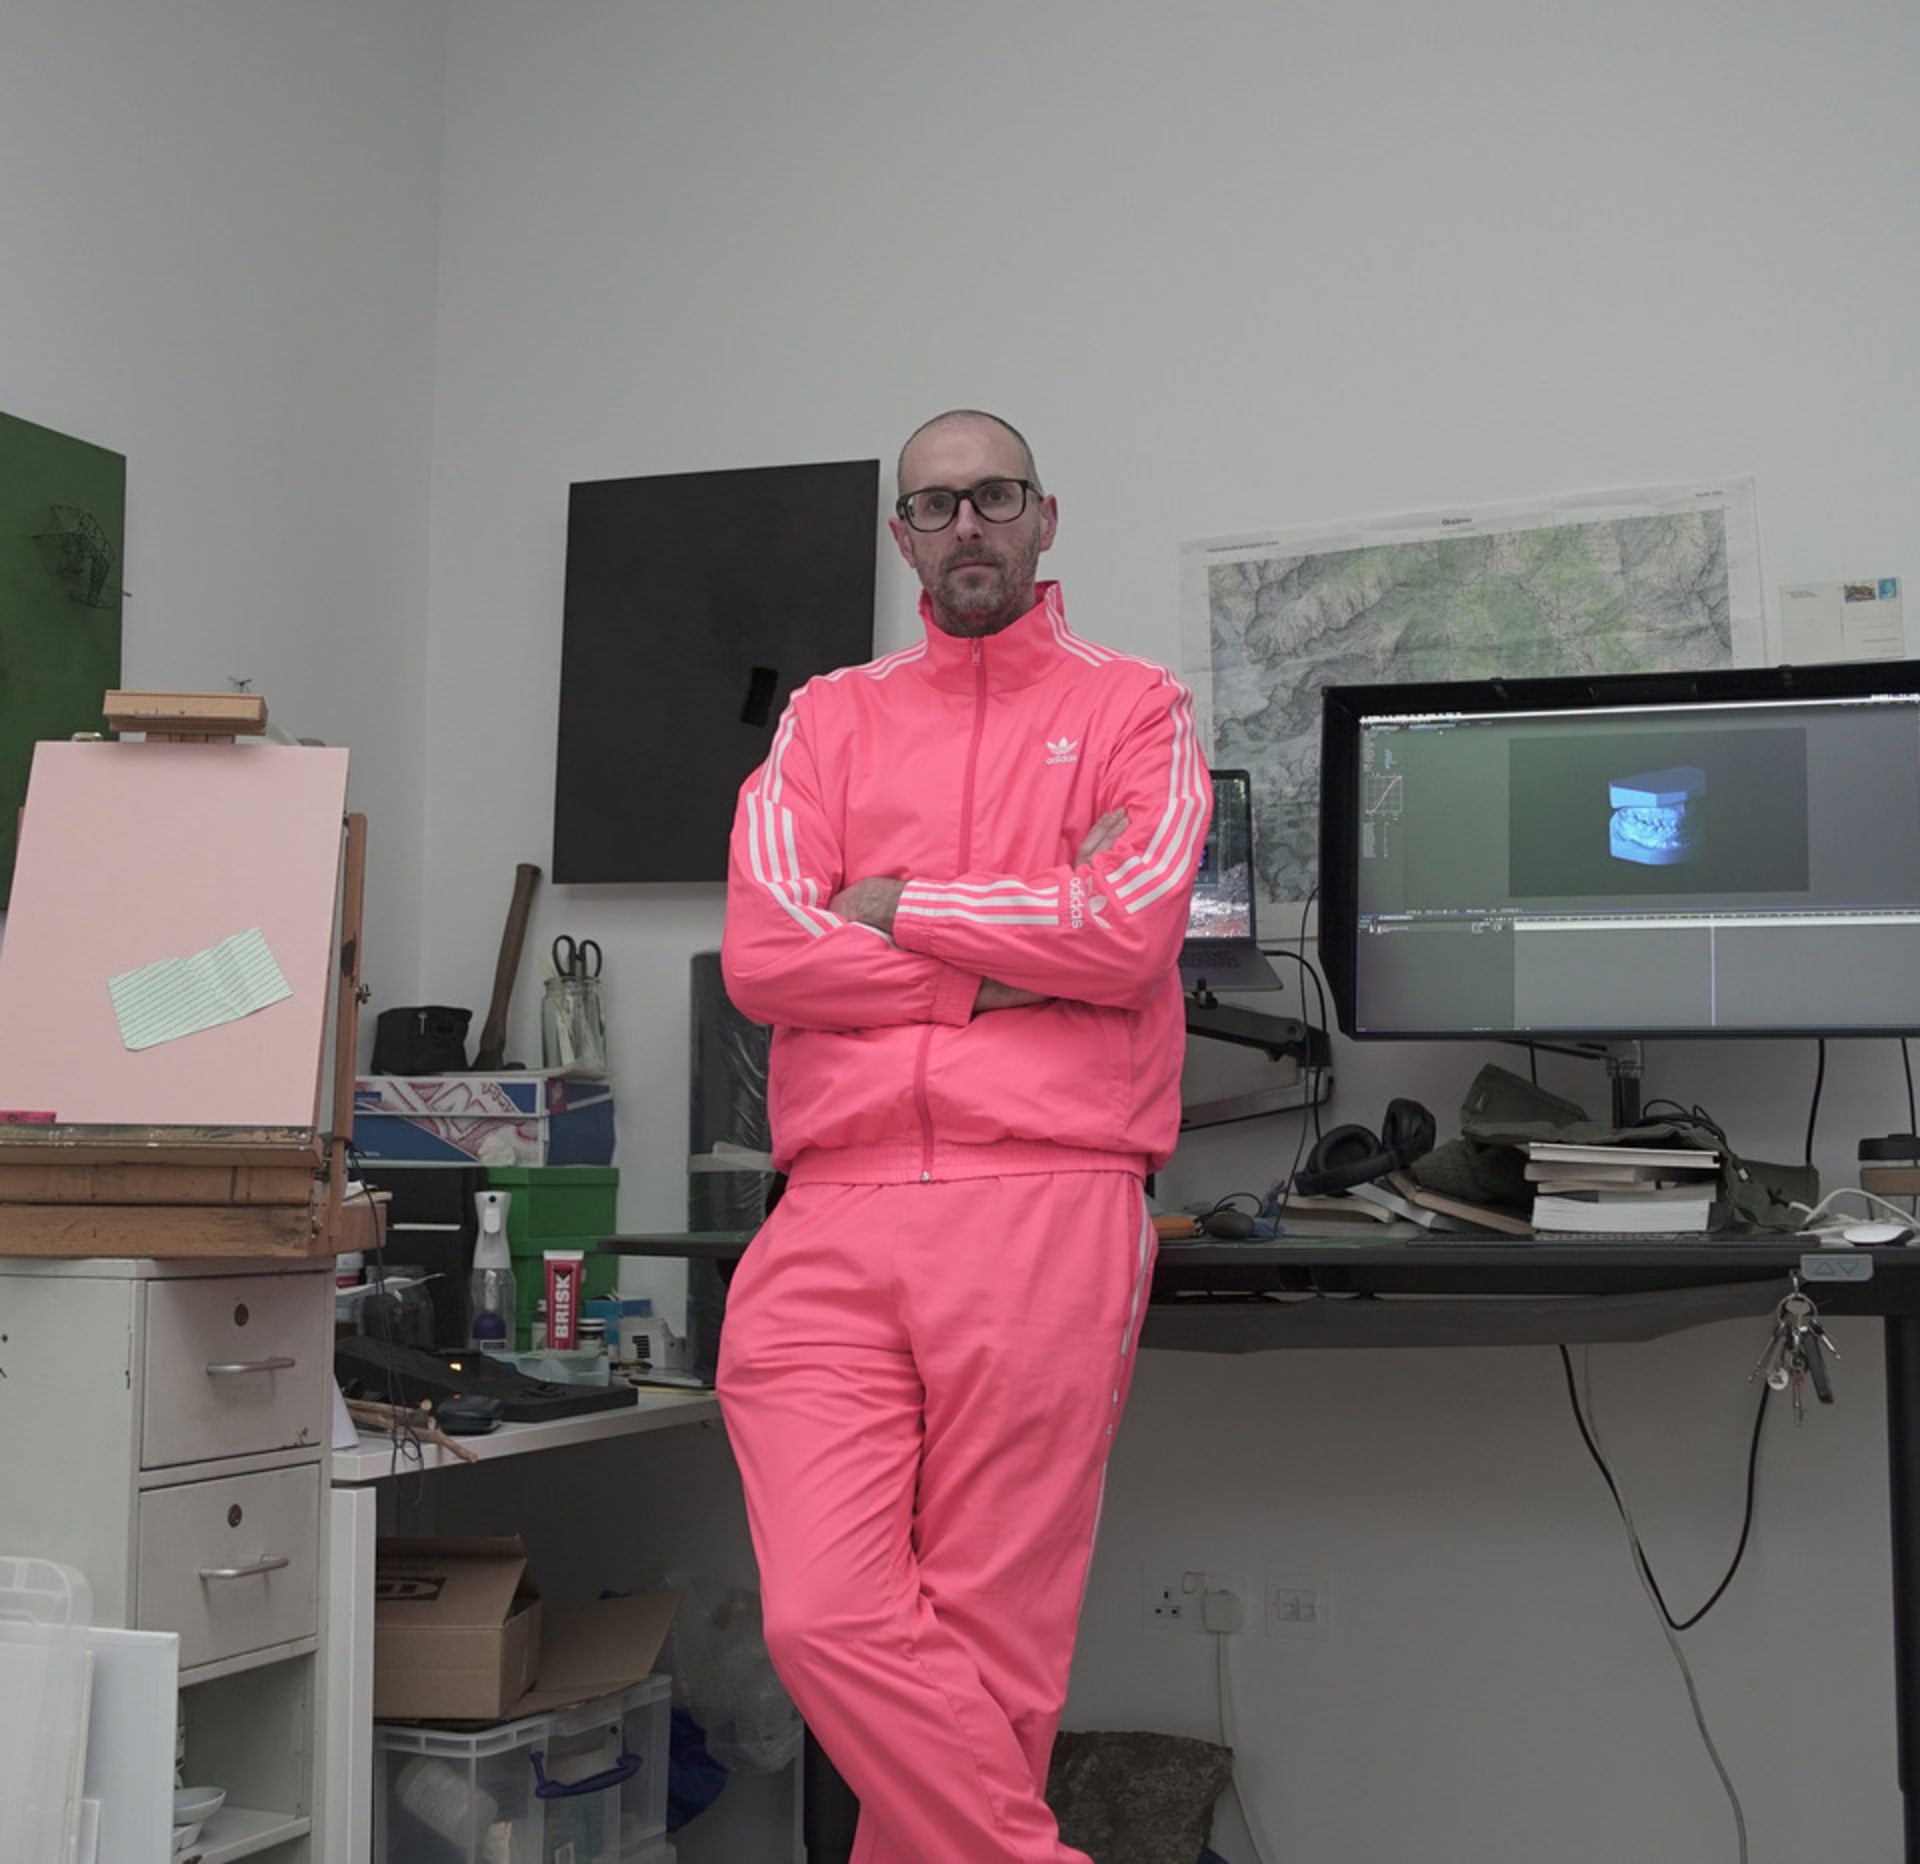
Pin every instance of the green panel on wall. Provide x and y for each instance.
(63, 514)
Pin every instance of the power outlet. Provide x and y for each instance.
(1299, 1608)
(1173, 1598)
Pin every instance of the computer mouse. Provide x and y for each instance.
(1229, 1226)
(468, 1415)
(1883, 1234)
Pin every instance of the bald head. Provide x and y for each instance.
(963, 416)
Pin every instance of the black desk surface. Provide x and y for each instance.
(1376, 1290)
(1384, 1288)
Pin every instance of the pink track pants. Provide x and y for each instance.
(921, 1383)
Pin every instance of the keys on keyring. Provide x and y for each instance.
(1796, 1354)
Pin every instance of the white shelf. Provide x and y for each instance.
(234, 1832)
(375, 1460)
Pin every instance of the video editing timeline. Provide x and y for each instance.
(1747, 868)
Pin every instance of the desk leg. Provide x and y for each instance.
(829, 1810)
(1903, 1494)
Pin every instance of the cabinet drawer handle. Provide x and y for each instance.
(271, 1565)
(255, 1365)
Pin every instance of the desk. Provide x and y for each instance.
(347, 1709)
(1382, 1288)
(1390, 1291)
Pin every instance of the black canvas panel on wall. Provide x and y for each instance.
(695, 604)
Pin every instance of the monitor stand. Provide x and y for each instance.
(1625, 1063)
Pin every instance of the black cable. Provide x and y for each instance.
(1639, 1553)
(1313, 1071)
(1311, 1074)
(1819, 1079)
(1696, 1115)
(1320, 997)
(1906, 1062)
(405, 1441)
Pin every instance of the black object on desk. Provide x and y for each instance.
(468, 1415)
(710, 1256)
(378, 1369)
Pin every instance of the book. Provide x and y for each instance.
(1299, 1212)
(1607, 1172)
(1676, 1158)
(1478, 1216)
(1650, 1210)
(1398, 1204)
(1554, 1187)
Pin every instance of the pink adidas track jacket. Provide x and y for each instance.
(973, 769)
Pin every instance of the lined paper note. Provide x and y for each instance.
(178, 996)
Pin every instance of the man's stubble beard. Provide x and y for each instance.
(992, 607)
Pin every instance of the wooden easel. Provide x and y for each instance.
(120, 1188)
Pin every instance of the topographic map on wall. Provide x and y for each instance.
(1654, 580)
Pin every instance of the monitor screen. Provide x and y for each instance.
(1733, 852)
(1222, 905)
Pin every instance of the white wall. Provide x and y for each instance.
(1230, 266)
(218, 222)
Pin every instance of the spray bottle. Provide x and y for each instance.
(492, 1309)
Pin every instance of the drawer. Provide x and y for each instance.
(232, 1564)
(234, 1365)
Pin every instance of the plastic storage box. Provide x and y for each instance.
(580, 1785)
(556, 1207)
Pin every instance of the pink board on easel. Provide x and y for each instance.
(136, 852)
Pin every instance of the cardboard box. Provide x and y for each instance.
(456, 1628)
(526, 1116)
(461, 1634)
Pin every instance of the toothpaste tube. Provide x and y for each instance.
(566, 1271)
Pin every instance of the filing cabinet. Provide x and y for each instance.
(164, 1427)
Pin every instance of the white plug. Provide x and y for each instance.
(1220, 1611)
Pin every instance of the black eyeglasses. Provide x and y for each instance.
(934, 507)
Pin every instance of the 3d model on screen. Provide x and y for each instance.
(1651, 821)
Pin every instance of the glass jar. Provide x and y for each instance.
(399, 1310)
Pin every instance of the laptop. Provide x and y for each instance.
(1221, 952)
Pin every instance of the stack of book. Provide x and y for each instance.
(1397, 1195)
(1621, 1188)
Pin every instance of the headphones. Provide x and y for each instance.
(1351, 1155)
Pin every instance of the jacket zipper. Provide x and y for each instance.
(979, 657)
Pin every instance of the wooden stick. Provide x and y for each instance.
(492, 1052)
(410, 1420)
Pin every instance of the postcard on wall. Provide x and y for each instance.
(1841, 621)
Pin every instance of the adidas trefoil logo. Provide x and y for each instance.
(1062, 751)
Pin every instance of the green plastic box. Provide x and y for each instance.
(556, 1207)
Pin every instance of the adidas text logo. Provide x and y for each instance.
(1062, 751)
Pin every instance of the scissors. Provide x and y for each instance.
(576, 958)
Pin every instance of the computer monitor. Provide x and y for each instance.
(1222, 946)
(1733, 852)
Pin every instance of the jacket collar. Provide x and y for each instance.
(1025, 650)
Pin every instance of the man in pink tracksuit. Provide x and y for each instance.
(959, 885)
